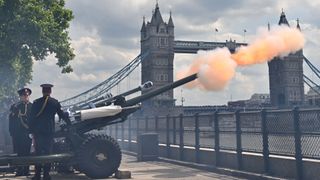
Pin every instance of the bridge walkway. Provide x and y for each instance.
(146, 171)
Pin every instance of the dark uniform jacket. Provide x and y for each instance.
(18, 119)
(42, 115)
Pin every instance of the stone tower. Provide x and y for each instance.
(286, 77)
(157, 43)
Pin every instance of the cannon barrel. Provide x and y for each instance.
(142, 87)
(97, 100)
(160, 90)
(106, 100)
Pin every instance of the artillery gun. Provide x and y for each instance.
(95, 155)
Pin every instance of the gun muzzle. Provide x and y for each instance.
(160, 90)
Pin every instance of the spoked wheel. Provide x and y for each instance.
(99, 156)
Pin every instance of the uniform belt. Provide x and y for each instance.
(43, 106)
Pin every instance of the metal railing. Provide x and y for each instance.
(292, 133)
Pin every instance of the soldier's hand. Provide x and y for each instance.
(65, 127)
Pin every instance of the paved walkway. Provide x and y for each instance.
(146, 171)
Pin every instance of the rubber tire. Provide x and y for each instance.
(84, 136)
(99, 145)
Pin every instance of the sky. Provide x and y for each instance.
(105, 35)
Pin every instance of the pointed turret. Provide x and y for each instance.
(283, 19)
(157, 43)
(156, 17)
(286, 77)
(143, 27)
(170, 23)
(298, 25)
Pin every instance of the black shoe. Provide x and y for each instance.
(46, 177)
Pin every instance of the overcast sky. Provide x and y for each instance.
(106, 36)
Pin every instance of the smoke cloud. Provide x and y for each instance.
(217, 67)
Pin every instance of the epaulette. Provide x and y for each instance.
(12, 106)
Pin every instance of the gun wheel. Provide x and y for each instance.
(99, 156)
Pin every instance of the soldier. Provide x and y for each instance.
(19, 128)
(42, 126)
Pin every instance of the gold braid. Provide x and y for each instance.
(43, 106)
(20, 115)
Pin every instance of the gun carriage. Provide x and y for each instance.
(96, 155)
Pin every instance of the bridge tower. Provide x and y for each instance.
(157, 42)
(286, 77)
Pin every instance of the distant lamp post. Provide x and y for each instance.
(182, 98)
(215, 34)
(244, 35)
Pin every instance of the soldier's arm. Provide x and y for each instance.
(13, 112)
(12, 115)
(31, 118)
(63, 115)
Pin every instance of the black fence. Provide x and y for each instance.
(292, 133)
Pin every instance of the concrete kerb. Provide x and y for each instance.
(224, 171)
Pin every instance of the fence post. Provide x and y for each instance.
(174, 130)
(117, 132)
(297, 140)
(146, 124)
(157, 124)
(181, 140)
(111, 130)
(265, 142)
(168, 136)
(138, 119)
(197, 138)
(122, 134)
(239, 144)
(216, 137)
(129, 134)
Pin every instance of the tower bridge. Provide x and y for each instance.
(157, 52)
(290, 137)
(158, 46)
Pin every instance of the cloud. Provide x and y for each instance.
(106, 36)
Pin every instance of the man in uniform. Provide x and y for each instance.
(42, 127)
(19, 128)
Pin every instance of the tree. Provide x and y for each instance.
(31, 30)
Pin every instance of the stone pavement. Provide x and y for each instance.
(146, 171)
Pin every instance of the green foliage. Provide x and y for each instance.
(31, 30)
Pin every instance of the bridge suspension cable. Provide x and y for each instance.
(314, 86)
(105, 86)
(305, 78)
(312, 67)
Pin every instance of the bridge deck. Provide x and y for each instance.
(147, 171)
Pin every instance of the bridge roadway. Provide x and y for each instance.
(146, 171)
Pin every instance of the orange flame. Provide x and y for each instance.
(216, 68)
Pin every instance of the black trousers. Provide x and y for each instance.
(21, 146)
(43, 146)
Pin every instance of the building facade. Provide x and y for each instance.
(286, 77)
(157, 50)
(313, 96)
(256, 101)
